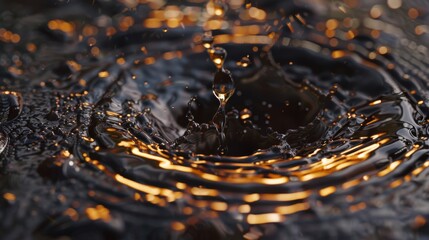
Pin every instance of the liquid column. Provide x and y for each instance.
(223, 88)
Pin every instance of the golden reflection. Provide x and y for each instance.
(285, 210)
(396, 183)
(245, 208)
(283, 197)
(61, 25)
(389, 169)
(237, 171)
(72, 213)
(412, 151)
(142, 187)
(264, 218)
(357, 207)
(9, 196)
(178, 226)
(204, 192)
(219, 206)
(376, 102)
(327, 191)
(9, 36)
(103, 74)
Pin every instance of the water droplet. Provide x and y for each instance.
(245, 114)
(207, 40)
(217, 55)
(223, 86)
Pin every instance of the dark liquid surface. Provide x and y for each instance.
(108, 129)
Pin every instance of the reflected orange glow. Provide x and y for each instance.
(61, 25)
(9, 196)
(264, 218)
(286, 210)
(99, 212)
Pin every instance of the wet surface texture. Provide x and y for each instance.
(109, 130)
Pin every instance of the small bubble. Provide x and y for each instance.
(223, 86)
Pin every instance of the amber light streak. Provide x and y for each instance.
(287, 210)
(169, 194)
(165, 163)
(265, 218)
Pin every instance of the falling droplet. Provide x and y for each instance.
(223, 86)
(207, 40)
(217, 55)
